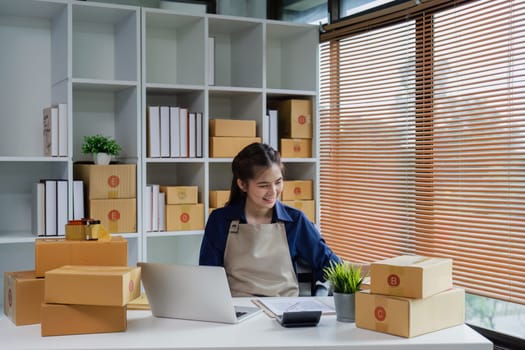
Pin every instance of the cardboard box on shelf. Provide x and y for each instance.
(218, 198)
(295, 118)
(60, 319)
(411, 276)
(226, 147)
(115, 215)
(51, 253)
(92, 285)
(306, 206)
(181, 194)
(408, 317)
(297, 190)
(23, 295)
(232, 128)
(296, 148)
(107, 181)
(183, 217)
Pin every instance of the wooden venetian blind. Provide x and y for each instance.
(423, 142)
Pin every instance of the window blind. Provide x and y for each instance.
(422, 142)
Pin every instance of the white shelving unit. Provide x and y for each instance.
(108, 63)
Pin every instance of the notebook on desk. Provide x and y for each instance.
(191, 292)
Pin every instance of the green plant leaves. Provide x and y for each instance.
(343, 277)
(100, 144)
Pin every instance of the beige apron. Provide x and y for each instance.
(257, 261)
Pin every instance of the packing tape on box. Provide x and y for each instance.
(185, 217)
(395, 278)
(380, 313)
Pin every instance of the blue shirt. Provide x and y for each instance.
(304, 239)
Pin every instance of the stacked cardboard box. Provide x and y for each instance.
(24, 290)
(295, 127)
(183, 211)
(299, 194)
(92, 299)
(23, 295)
(111, 194)
(228, 136)
(218, 199)
(409, 296)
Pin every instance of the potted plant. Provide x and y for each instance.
(345, 280)
(102, 148)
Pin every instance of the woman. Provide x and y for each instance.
(257, 238)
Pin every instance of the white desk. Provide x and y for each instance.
(260, 332)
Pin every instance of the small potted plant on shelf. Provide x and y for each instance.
(102, 148)
(345, 280)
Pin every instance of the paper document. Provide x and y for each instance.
(277, 306)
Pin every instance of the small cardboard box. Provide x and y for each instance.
(51, 253)
(59, 319)
(297, 190)
(296, 148)
(227, 147)
(409, 317)
(295, 119)
(232, 128)
(219, 198)
(181, 194)
(183, 217)
(115, 215)
(23, 294)
(107, 181)
(306, 206)
(92, 285)
(411, 276)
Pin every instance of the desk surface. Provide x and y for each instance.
(257, 333)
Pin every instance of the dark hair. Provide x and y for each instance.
(251, 158)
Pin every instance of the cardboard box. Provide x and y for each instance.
(23, 294)
(92, 285)
(297, 190)
(107, 181)
(226, 147)
(184, 217)
(181, 194)
(115, 215)
(51, 253)
(232, 128)
(409, 317)
(296, 148)
(411, 276)
(219, 198)
(306, 206)
(295, 119)
(59, 319)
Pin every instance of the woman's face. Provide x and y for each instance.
(262, 191)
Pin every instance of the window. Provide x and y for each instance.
(423, 140)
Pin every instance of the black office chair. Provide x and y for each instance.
(308, 285)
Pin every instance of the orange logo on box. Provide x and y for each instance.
(113, 181)
(131, 286)
(297, 148)
(10, 298)
(297, 190)
(114, 215)
(184, 217)
(393, 280)
(380, 313)
(301, 119)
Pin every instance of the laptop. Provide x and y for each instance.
(191, 292)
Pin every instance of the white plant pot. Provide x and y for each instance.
(101, 158)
